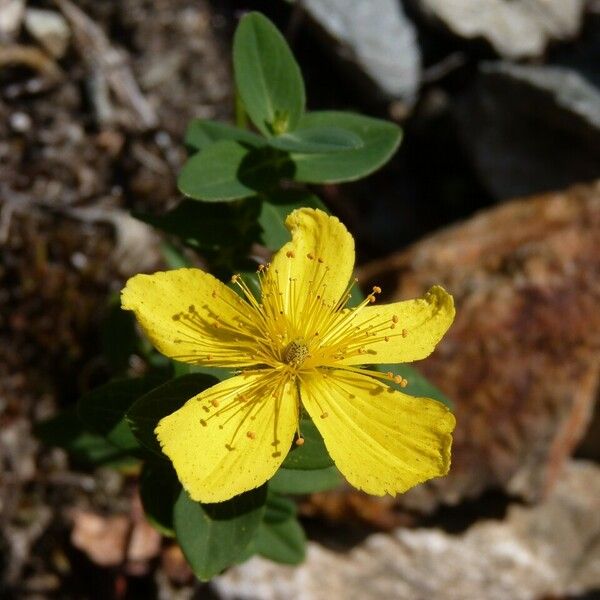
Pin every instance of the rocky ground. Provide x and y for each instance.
(497, 101)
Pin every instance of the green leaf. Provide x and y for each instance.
(215, 536)
(417, 384)
(295, 481)
(103, 409)
(147, 411)
(312, 454)
(228, 171)
(205, 226)
(317, 140)
(202, 133)
(173, 256)
(267, 76)
(281, 537)
(159, 490)
(213, 174)
(67, 431)
(275, 209)
(380, 140)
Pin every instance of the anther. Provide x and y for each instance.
(389, 375)
(320, 260)
(300, 441)
(290, 254)
(376, 289)
(386, 338)
(310, 256)
(324, 415)
(235, 278)
(371, 298)
(214, 294)
(215, 402)
(398, 379)
(203, 422)
(251, 435)
(395, 319)
(404, 333)
(404, 383)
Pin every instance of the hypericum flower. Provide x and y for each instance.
(298, 345)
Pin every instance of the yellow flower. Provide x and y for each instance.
(298, 345)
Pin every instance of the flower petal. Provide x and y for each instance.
(191, 316)
(232, 437)
(400, 332)
(381, 440)
(319, 260)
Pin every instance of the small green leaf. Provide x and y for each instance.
(312, 454)
(205, 226)
(281, 537)
(417, 384)
(67, 431)
(275, 209)
(228, 171)
(295, 481)
(215, 536)
(159, 490)
(380, 141)
(213, 174)
(202, 133)
(267, 76)
(103, 409)
(147, 411)
(317, 140)
(173, 256)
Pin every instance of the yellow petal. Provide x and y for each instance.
(191, 316)
(317, 262)
(404, 331)
(382, 441)
(232, 437)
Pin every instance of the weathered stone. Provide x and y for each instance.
(522, 360)
(534, 552)
(530, 129)
(376, 38)
(50, 29)
(514, 28)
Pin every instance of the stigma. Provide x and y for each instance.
(295, 353)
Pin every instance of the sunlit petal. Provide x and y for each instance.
(312, 270)
(382, 441)
(191, 316)
(397, 333)
(231, 437)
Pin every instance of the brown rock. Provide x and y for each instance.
(103, 539)
(522, 360)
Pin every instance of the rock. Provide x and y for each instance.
(521, 361)
(376, 38)
(11, 16)
(534, 552)
(530, 129)
(50, 29)
(514, 28)
(103, 539)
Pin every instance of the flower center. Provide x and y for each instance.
(296, 353)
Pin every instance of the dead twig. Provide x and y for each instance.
(112, 64)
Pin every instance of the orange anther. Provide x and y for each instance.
(395, 319)
(214, 402)
(376, 289)
(251, 435)
(290, 254)
(300, 441)
(404, 333)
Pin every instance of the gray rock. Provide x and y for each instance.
(514, 28)
(531, 129)
(375, 37)
(551, 549)
(50, 29)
